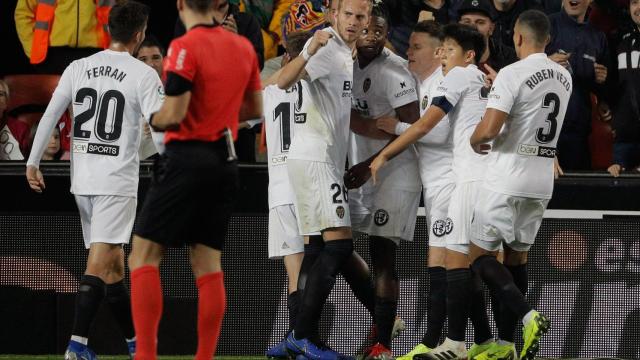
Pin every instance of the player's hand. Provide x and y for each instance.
(561, 59)
(604, 111)
(320, 39)
(482, 149)
(35, 179)
(490, 77)
(615, 170)
(557, 170)
(601, 73)
(387, 124)
(230, 24)
(376, 165)
(357, 175)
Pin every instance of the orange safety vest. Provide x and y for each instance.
(45, 13)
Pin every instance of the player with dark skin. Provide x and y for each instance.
(370, 45)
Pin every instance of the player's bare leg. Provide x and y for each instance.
(146, 294)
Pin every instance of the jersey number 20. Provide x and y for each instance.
(551, 100)
(107, 130)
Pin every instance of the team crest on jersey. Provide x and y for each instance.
(366, 85)
(425, 102)
(475, 3)
(484, 92)
(340, 211)
(442, 227)
(381, 217)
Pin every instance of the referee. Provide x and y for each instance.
(212, 82)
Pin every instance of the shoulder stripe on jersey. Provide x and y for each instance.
(442, 103)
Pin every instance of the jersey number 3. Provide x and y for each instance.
(547, 133)
(107, 128)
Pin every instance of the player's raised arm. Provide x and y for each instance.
(294, 71)
(57, 106)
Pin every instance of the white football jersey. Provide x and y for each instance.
(435, 150)
(325, 135)
(461, 92)
(382, 86)
(110, 91)
(283, 109)
(535, 93)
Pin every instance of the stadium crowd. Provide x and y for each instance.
(595, 40)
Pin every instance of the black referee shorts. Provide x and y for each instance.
(191, 195)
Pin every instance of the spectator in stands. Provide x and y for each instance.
(301, 17)
(507, 12)
(229, 16)
(53, 150)
(54, 33)
(151, 52)
(405, 14)
(269, 13)
(626, 120)
(583, 50)
(479, 14)
(14, 134)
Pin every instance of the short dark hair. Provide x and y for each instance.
(379, 9)
(151, 41)
(537, 23)
(467, 37)
(296, 41)
(200, 6)
(431, 28)
(126, 19)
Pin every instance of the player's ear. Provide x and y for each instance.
(470, 57)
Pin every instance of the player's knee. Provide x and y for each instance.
(515, 258)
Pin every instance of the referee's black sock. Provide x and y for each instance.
(436, 306)
(508, 319)
(311, 252)
(293, 304)
(500, 281)
(120, 304)
(319, 284)
(356, 273)
(478, 313)
(90, 294)
(458, 302)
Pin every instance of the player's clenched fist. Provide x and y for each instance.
(320, 39)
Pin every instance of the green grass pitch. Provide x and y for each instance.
(184, 357)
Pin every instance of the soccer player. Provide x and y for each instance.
(524, 116)
(462, 98)
(434, 161)
(195, 180)
(316, 163)
(283, 109)
(110, 91)
(382, 85)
